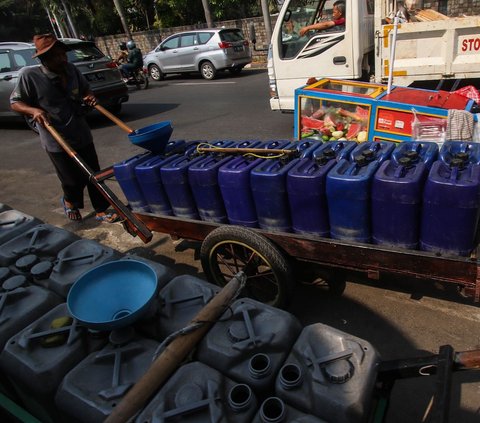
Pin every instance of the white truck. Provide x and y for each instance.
(431, 50)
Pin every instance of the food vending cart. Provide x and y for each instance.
(332, 109)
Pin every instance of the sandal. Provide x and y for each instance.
(72, 213)
(107, 217)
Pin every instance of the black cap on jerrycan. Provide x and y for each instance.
(406, 162)
(462, 155)
(361, 160)
(368, 154)
(412, 155)
(456, 162)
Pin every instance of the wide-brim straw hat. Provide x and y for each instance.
(45, 42)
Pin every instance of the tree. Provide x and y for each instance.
(123, 19)
(208, 13)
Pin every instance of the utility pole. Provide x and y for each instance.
(266, 20)
(59, 24)
(208, 13)
(69, 19)
(121, 13)
(52, 20)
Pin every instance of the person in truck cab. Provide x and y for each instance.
(338, 20)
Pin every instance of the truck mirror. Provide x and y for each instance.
(253, 37)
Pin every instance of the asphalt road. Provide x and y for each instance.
(399, 318)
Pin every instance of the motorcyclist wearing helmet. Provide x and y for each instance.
(134, 60)
(122, 57)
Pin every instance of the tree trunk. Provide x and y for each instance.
(208, 13)
(69, 19)
(266, 19)
(121, 13)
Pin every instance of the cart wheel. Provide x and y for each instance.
(230, 249)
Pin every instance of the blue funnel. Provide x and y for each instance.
(113, 295)
(153, 137)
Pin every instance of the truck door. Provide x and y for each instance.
(327, 53)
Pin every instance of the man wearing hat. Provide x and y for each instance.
(53, 94)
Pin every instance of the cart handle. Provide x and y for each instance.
(114, 119)
(131, 223)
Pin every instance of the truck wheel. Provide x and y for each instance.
(230, 249)
(208, 71)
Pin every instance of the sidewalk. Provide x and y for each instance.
(258, 64)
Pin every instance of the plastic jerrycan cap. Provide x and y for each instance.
(361, 160)
(406, 161)
(322, 160)
(329, 152)
(462, 156)
(368, 154)
(456, 162)
(412, 155)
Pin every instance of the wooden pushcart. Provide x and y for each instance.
(270, 259)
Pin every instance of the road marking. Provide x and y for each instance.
(201, 83)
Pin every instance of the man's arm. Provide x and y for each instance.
(20, 100)
(320, 26)
(39, 115)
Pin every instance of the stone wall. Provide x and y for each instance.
(148, 40)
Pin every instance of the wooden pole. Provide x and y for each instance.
(171, 357)
(131, 223)
(114, 119)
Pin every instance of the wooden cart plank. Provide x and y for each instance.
(367, 258)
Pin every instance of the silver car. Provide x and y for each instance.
(206, 51)
(101, 72)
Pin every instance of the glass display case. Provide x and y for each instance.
(335, 110)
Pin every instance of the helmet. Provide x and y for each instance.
(131, 45)
(123, 45)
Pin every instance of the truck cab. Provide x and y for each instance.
(338, 52)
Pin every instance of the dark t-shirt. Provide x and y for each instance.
(135, 57)
(39, 87)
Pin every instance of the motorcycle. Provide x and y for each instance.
(138, 78)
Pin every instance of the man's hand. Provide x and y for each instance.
(40, 116)
(303, 31)
(90, 100)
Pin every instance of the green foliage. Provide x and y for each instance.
(233, 9)
(21, 19)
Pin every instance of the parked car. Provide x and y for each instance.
(206, 51)
(101, 72)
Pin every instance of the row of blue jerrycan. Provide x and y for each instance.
(188, 185)
(389, 194)
(408, 195)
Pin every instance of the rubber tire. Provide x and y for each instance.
(208, 71)
(142, 81)
(258, 244)
(155, 73)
